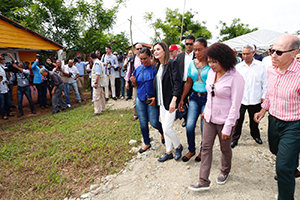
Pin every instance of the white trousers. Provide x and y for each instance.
(111, 78)
(167, 121)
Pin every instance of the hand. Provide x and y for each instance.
(180, 106)
(132, 78)
(258, 116)
(262, 100)
(62, 93)
(9, 54)
(152, 101)
(202, 116)
(225, 137)
(95, 86)
(52, 92)
(172, 106)
(127, 85)
(105, 64)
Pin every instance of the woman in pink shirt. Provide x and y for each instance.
(225, 87)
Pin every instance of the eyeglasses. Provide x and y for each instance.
(138, 48)
(279, 53)
(212, 90)
(189, 44)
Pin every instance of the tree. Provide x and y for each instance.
(170, 28)
(82, 26)
(235, 29)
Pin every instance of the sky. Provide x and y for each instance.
(280, 16)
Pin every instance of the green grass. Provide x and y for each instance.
(49, 157)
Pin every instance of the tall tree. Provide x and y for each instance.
(235, 29)
(78, 24)
(169, 29)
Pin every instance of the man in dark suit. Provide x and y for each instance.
(184, 60)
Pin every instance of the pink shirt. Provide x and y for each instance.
(137, 62)
(283, 93)
(224, 107)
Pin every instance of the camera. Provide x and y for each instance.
(4, 54)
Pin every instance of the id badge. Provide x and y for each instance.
(24, 82)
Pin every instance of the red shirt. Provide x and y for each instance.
(283, 93)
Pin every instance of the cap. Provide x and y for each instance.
(173, 47)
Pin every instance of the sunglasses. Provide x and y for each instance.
(189, 44)
(138, 48)
(279, 53)
(212, 90)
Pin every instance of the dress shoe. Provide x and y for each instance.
(20, 115)
(128, 98)
(141, 150)
(258, 140)
(106, 99)
(178, 152)
(165, 157)
(187, 156)
(297, 175)
(114, 98)
(183, 124)
(54, 112)
(33, 112)
(233, 143)
(95, 114)
(198, 158)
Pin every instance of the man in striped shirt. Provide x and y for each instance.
(283, 103)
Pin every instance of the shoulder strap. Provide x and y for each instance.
(170, 72)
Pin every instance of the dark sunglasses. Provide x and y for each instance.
(138, 48)
(279, 53)
(189, 44)
(212, 90)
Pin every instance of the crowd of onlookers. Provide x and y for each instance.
(166, 83)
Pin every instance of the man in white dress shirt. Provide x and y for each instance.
(255, 76)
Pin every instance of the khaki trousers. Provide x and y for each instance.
(99, 100)
(80, 83)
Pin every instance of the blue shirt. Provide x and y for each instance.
(113, 61)
(80, 66)
(144, 77)
(37, 76)
(97, 69)
(199, 76)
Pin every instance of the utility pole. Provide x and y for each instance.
(182, 21)
(130, 20)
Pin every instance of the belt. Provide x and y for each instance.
(276, 119)
(200, 93)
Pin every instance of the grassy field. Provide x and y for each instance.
(52, 156)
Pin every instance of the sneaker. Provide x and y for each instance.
(69, 105)
(222, 178)
(122, 97)
(199, 187)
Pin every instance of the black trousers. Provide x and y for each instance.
(254, 130)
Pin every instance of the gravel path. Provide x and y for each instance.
(251, 177)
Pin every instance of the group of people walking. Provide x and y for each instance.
(211, 84)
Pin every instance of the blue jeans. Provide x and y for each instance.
(4, 104)
(148, 113)
(196, 107)
(67, 92)
(123, 86)
(20, 92)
